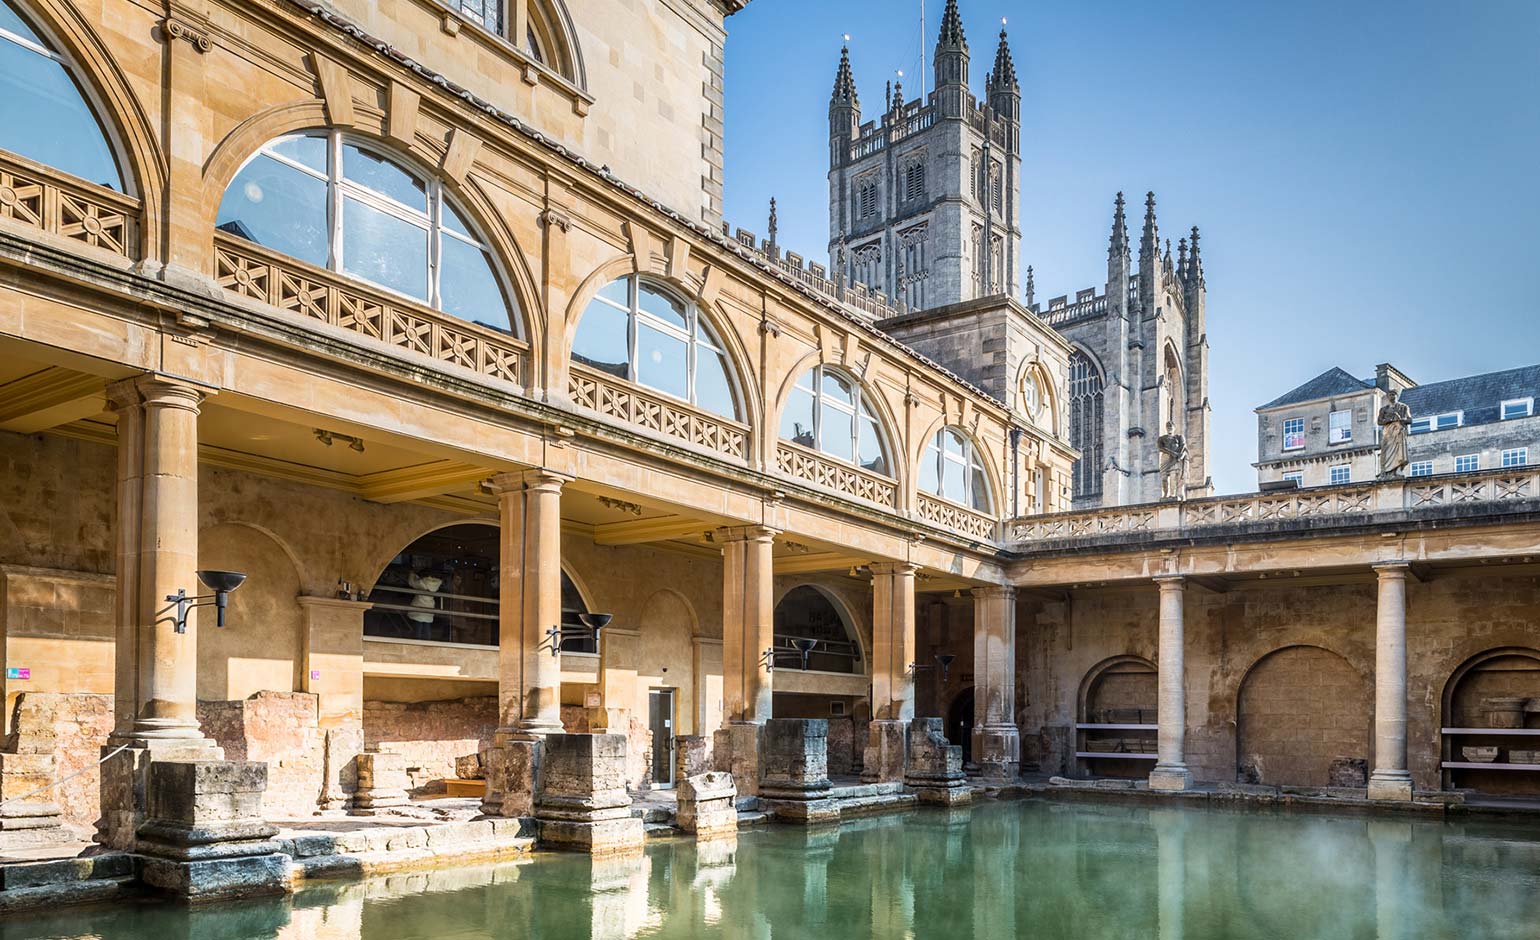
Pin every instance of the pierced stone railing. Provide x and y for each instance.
(622, 401)
(251, 271)
(51, 202)
(1343, 505)
(804, 464)
(957, 518)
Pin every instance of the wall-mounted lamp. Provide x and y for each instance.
(944, 660)
(331, 437)
(592, 625)
(768, 659)
(804, 645)
(220, 582)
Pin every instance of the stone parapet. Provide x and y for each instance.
(582, 801)
(708, 805)
(382, 783)
(205, 838)
(935, 764)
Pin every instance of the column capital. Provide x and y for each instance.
(995, 592)
(1392, 569)
(744, 533)
(893, 567)
(153, 388)
(1170, 582)
(518, 481)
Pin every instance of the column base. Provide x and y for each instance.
(583, 803)
(1172, 778)
(125, 782)
(935, 765)
(708, 806)
(1390, 785)
(513, 775)
(382, 783)
(735, 750)
(886, 756)
(998, 752)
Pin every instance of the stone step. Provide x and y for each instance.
(31, 885)
(652, 813)
(655, 829)
(862, 791)
(752, 818)
(877, 803)
(746, 804)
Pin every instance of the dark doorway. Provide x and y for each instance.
(959, 724)
(661, 721)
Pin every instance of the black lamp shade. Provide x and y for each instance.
(222, 582)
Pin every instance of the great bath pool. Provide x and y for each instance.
(1016, 869)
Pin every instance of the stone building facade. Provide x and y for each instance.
(1325, 430)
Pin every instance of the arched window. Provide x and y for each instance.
(1176, 393)
(952, 469)
(341, 203)
(828, 412)
(637, 332)
(1085, 423)
(1030, 395)
(806, 614)
(43, 113)
(545, 39)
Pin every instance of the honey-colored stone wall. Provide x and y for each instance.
(431, 735)
(72, 728)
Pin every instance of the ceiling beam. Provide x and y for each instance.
(49, 398)
(639, 531)
(817, 561)
(421, 482)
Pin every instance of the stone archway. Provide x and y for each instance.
(1301, 711)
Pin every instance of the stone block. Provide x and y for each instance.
(886, 754)
(707, 805)
(935, 764)
(513, 777)
(582, 801)
(997, 751)
(735, 750)
(125, 785)
(471, 766)
(795, 763)
(1348, 772)
(692, 756)
(382, 783)
(339, 782)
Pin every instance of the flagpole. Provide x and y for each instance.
(922, 52)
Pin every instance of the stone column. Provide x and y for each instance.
(893, 650)
(1390, 780)
(1171, 771)
(748, 629)
(996, 739)
(529, 675)
(156, 676)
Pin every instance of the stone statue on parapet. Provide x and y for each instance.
(1173, 464)
(1395, 421)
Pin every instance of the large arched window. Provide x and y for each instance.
(806, 614)
(829, 412)
(952, 469)
(1085, 423)
(341, 203)
(43, 113)
(638, 332)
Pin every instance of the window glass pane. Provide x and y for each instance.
(836, 388)
(618, 291)
(712, 390)
(280, 207)
(375, 172)
(44, 117)
(870, 455)
(930, 480)
(980, 487)
(835, 431)
(450, 219)
(389, 251)
(952, 481)
(952, 442)
(661, 361)
(805, 380)
(601, 340)
(467, 287)
(308, 151)
(797, 418)
(11, 22)
(663, 307)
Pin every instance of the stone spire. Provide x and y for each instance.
(951, 34)
(1119, 241)
(773, 228)
(1194, 263)
(1149, 242)
(1181, 258)
(898, 96)
(845, 82)
(951, 63)
(1003, 77)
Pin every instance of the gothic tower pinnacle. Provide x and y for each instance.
(844, 111)
(951, 63)
(1119, 242)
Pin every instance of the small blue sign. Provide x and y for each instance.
(14, 672)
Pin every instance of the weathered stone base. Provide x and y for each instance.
(125, 783)
(802, 812)
(218, 879)
(997, 749)
(1171, 778)
(1385, 786)
(707, 805)
(886, 755)
(735, 750)
(935, 765)
(513, 776)
(382, 783)
(22, 776)
(582, 802)
(795, 785)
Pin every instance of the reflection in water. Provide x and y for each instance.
(1004, 870)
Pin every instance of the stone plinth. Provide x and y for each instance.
(513, 776)
(886, 753)
(382, 783)
(997, 750)
(344, 744)
(205, 838)
(31, 817)
(935, 764)
(795, 784)
(125, 784)
(708, 805)
(735, 750)
(582, 802)
(692, 756)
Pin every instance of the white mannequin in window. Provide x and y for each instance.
(429, 583)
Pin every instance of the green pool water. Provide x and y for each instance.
(1016, 869)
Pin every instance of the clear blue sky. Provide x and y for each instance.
(1364, 172)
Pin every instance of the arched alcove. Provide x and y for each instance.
(1116, 729)
(806, 613)
(1301, 711)
(1492, 701)
(261, 647)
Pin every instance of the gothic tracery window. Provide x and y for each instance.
(914, 272)
(914, 180)
(342, 203)
(866, 265)
(44, 116)
(866, 199)
(828, 412)
(1085, 423)
(639, 332)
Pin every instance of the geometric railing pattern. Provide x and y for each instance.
(51, 202)
(805, 464)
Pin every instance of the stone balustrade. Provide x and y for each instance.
(1490, 491)
(805, 464)
(957, 518)
(632, 404)
(40, 198)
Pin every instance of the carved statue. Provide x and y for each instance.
(1395, 421)
(1173, 465)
